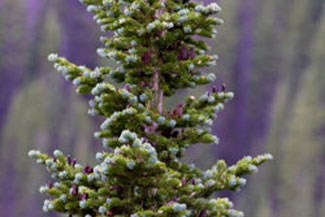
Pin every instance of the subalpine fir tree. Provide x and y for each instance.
(158, 47)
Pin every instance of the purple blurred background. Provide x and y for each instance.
(272, 55)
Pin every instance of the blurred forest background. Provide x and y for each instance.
(272, 55)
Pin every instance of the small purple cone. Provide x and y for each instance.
(191, 53)
(87, 170)
(74, 190)
(146, 57)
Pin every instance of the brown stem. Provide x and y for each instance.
(161, 101)
(158, 99)
(157, 102)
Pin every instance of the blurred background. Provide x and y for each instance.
(272, 55)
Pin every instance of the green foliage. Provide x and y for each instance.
(157, 51)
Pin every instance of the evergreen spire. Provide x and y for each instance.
(159, 48)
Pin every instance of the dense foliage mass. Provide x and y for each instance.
(158, 47)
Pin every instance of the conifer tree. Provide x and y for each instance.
(159, 48)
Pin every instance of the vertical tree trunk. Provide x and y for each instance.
(13, 46)
(237, 141)
(26, 36)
